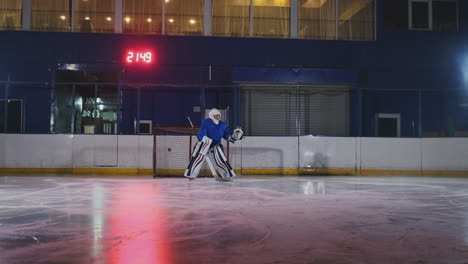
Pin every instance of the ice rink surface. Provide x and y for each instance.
(251, 220)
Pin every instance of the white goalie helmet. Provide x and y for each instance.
(212, 115)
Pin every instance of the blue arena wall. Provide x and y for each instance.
(388, 72)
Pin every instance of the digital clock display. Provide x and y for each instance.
(140, 57)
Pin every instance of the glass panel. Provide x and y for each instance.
(461, 116)
(316, 19)
(444, 114)
(10, 14)
(420, 14)
(107, 109)
(142, 16)
(35, 107)
(271, 18)
(85, 109)
(63, 109)
(50, 15)
(433, 114)
(356, 20)
(221, 98)
(2, 107)
(94, 16)
(184, 17)
(2, 116)
(15, 113)
(444, 16)
(231, 18)
(129, 110)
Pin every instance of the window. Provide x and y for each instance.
(50, 15)
(83, 105)
(107, 109)
(396, 14)
(387, 125)
(356, 19)
(10, 14)
(142, 16)
(338, 19)
(316, 21)
(146, 127)
(62, 109)
(184, 17)
(231, 18)
(444, 16)
(419, 13)
(96, 109)
(94, 16)
(271, 19)
(437, 15)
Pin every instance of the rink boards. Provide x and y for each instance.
(122, 154)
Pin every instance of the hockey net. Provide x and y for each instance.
(172, 149)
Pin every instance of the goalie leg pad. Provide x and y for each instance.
(198, 156)
(203, 146)
(194, 166)
(224, 167)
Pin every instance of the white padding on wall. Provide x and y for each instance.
(105, 150)
(270, 153)
(83, 151)
(38, 151)
(391, 153)
(136, 151)
(128, 151)
(445, 154)
(327, 152)
(145, 152)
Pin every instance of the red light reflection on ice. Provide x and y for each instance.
(136, 232)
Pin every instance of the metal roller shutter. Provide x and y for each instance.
(281, 110)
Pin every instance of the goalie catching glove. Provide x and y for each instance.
(238, 134)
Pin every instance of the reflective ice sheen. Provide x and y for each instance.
(252, 220)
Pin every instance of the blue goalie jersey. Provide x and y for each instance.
(213, 131)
